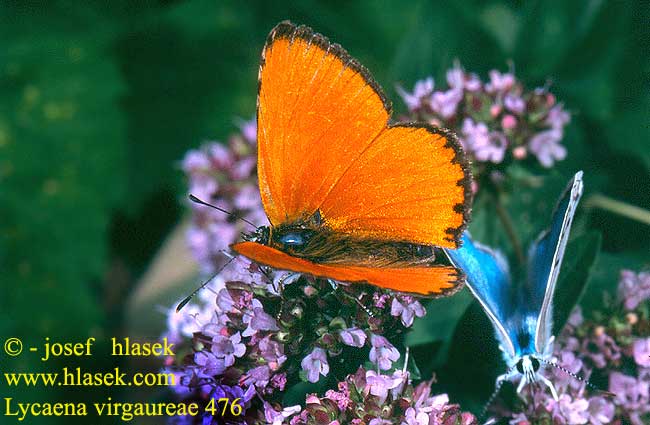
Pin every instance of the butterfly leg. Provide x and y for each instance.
(520, 387)
(335, 286)
(550, 385)
(280, 290)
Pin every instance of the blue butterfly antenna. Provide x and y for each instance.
(199, 201)
(196, 291)
(578, 377)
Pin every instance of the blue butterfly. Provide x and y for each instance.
(522, 314)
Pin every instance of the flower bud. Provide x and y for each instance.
(632, 318)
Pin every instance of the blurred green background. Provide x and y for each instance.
(100, 100)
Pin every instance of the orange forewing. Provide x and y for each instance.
(324, 144)
(429, 281)
(316, 114)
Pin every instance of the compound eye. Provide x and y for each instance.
(520, 366)
(535, 363)
(292, 239)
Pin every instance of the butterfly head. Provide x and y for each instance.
(260, 235)
(528, 366)
(286, 238)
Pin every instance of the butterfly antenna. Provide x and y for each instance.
(199, 201)
(196, 291)
(577, 377)
(494, 394)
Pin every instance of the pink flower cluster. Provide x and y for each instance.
(497, 121)
(616, 353)
(372, 398)
(255, 332)
(225, 176)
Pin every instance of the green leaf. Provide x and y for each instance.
(439, 323)
(605, 276)
(631, 134)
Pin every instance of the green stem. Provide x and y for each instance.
(510, 228)
(619, 207)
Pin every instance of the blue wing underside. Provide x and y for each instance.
(545, 259)
(521, 314)
(488, 278)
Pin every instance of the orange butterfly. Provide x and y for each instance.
(350, 197)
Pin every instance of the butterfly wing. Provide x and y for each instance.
(488, 277)
(545, 259)
(318, 109)
(410, 184)
(429, 281)
(324, 145)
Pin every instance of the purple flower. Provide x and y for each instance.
(602, 349)
(514, 103)
(402, 380)
(380, 421)
(340, 397)
(422, 89)
(633, 288)
(186, 323)
(601, 411)
(407, 310)
(315, 364)
(248, 129)
(198, 241)
(243, 168)
(519, 419)
(382, 352)
(416, 417)
(195, 161)
(204, 188)
(445, 103)
(279, 381)
(641, 352)
(274, 417)
(631, 394)
(379, 300)
(557, 117)
(272, 352)
(221, 157)
(576, 319)
(354, 337)
(379, 385)
(456, 77)
(227, 348)
(474, 134)
(258, 320)
(258, 376)
(569, 361)
(486, 145)
(247, 198)
(546, 146)
(499, 82)
(241, 269)
(233, 393)
(570, 411)
(209, 364)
